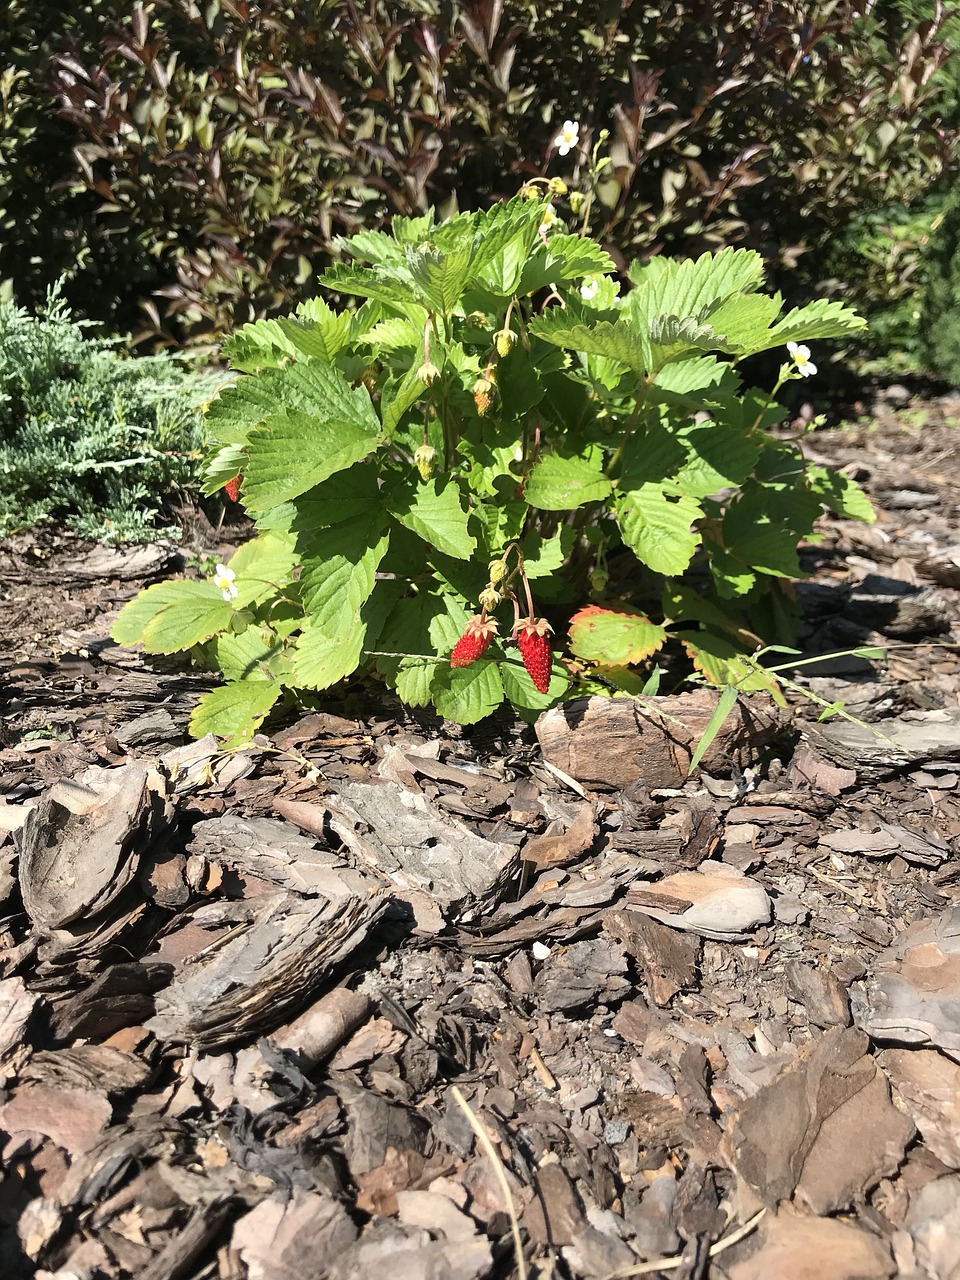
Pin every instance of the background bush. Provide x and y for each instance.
(89, 435)
(939, 322)
(205, 156)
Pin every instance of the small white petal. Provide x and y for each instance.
(568, 137)
(539, 951)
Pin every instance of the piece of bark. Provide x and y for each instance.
(267, 967)
(183, 1249)
(277, 853)
(374, 1125)
(81, 845)
(668, 956)
(794, 1248)
(825, 1125)
(582, 975)
(436, 1213)
(808, 769)
(292, 1239)
(555, 850)
(16, 1007)
(378, 1188)
(912, 992)
(121, 996)
(820, 992)
(612, 743)
(857, 1145)
(72, 1118)
(93, 1067)
(891, 746)
(891, 838)
(408, 1253)
(929, 1087)
(399, 835)
(933, 1221)
(942, 565)
(716, 901)
(554, 1217)
(899, 610)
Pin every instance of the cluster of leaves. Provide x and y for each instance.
(393, 456)
(882, 262)
(940, 313)
(890, 253)
(88, 435)
(50, 225)
(211, 152)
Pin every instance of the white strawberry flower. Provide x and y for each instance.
(223, 578)
(568, 139)
(548, 218)
(590, 288)
(800, 355)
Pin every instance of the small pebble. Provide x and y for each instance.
(615, 1132)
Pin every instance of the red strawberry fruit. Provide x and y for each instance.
(233, 488)
(535, 650)
(474, 642)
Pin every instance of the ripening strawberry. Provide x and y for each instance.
(532, 640)
(474, 642)
(232, 488)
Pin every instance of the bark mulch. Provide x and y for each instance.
(382, 994)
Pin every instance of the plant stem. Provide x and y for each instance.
(618, 452)
(766, 404)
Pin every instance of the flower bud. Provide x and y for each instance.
(503, 340)
(577, 202)
(483, 393)
(557, 187)
(428, 373)
(599, 579)
(498, 571)
(425, 457)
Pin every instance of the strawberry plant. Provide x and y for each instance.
(495, 433)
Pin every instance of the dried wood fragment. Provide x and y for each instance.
(92, 1067)
(274, 851)
(293, 1238)
(716, 901)
(81, 846)
(264, 969)
(16, 1006)
(669, 957)
(899, 610)
(616, 742)
(555, 849)
(325, 1025)
(399, 835)
(891, 746)
(825, 1128)
(582, 975)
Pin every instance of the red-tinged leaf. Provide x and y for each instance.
(614, 637)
